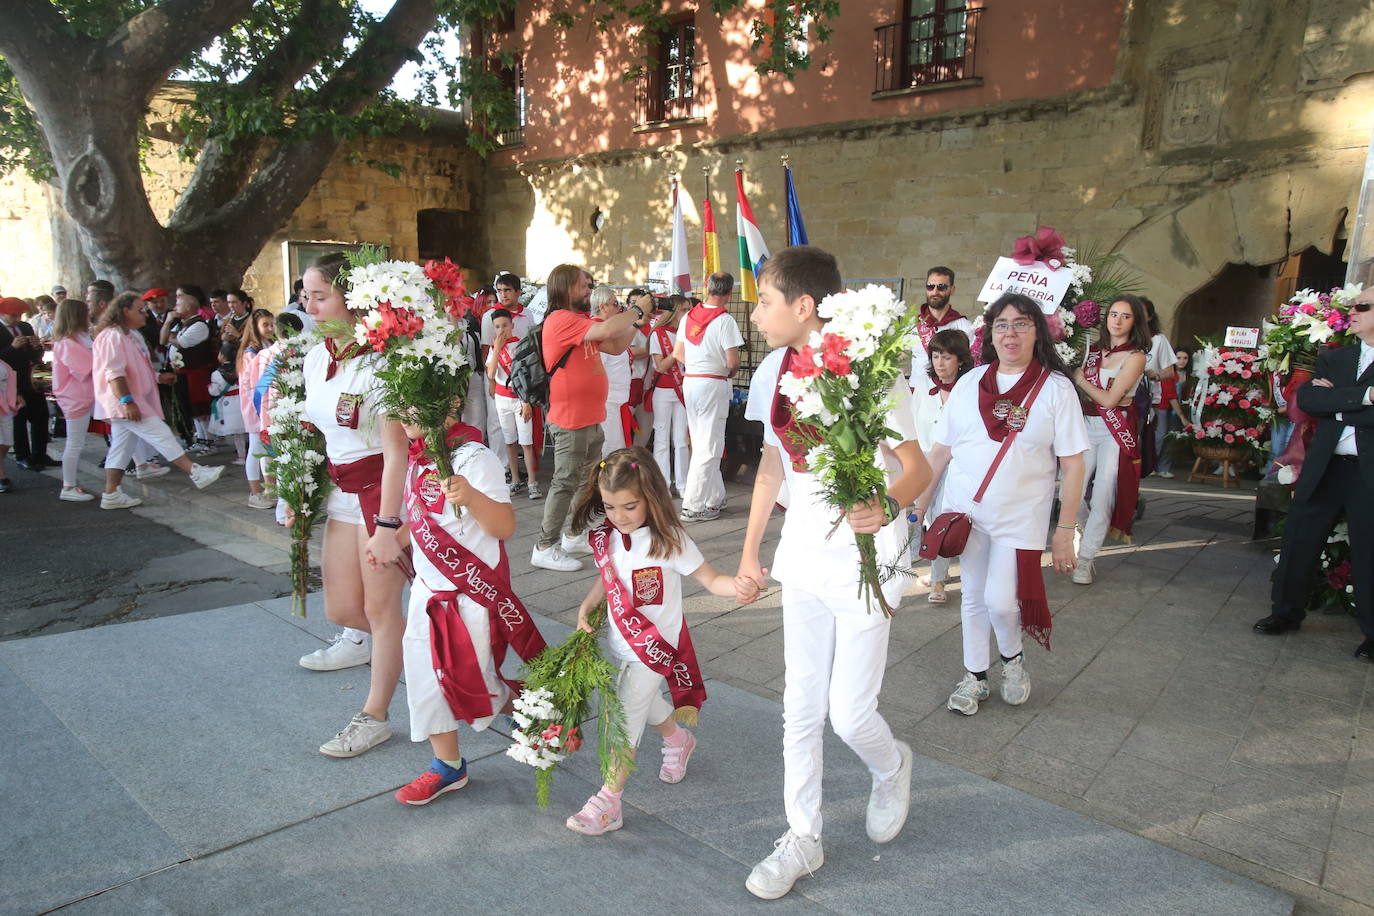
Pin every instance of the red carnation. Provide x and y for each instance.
(446, 277)
(804, 366)
(832, 354)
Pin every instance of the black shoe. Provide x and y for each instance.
(5, 485)
(1273, 625)
(29, 464)
(1365, 652)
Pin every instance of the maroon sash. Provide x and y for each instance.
(697, 320)
(364, 479)
(1121, 423)
(678, 665)
(926, 328)
(791, 432)
(455, 659)
(338, 355)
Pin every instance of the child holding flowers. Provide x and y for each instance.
(834, 642)
(463, 613)
(642, 552)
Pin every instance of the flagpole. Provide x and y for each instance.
(786, 174)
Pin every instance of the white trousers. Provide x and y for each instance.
(71, 450)
(708, 407)
(988, 606)
(670, 438)
(1100, 465)
(152, 430)
(429, 710)
(640, 690)
(612, 429)
(835, 655)
(257, 453)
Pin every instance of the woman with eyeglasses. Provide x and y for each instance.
(1022, 390)
(1108, 379)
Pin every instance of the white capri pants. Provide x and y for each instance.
(835, 654)
(514, 429)
(77, 427)
(429, 710)
(670, 437)
(152, 430)
(988, 574)
(1101, 466)
(708, 407)
(641, 694)
(7, 429)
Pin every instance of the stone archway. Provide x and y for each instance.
(1258, 221)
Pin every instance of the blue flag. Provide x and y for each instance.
(796, 229)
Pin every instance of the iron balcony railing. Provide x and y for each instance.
(938, 47)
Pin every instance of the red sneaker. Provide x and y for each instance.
(438, 779)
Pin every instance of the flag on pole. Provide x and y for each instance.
(680, 270)
(710, 242)
(796, 228)
(753, 250)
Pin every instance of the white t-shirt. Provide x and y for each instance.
(355, 376)
(657, 584)
(810, 557)
(617, 366)
(1161, 357)
(708, 357)
(639, 368)
(920, 358)
(927, 412)
(656, 351)
(520, 326)
(762, 387)
(1015, 511)
(483, 471)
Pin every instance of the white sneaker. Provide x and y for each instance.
(118, 500)
(149, 471)
(260, 501)
(554, 558)
(203, 475)
(75, 495)
(359, 736)
(1083, 572)
(1015, 682)
(793, 856)
(535, 492)
(1166, 475)
(889, 800)
(709, 514)
(341, 653)
(575, 546)
(967, 695)
(239, 461)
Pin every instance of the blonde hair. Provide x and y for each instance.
(72, 318)
(636, 470)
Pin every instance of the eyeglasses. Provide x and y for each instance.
(1020, 326)
(1361, 306)
(942, 287)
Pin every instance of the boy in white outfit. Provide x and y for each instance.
(835, 650)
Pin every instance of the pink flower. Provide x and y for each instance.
(1246, 373)
(553, 731)
(1244, 404)
(1230, 427)
(1087, 313)
(1056, 323)
(1229, 438)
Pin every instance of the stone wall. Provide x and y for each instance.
(1236, 132)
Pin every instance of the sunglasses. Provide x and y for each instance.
(1361, 306)
(942, 287)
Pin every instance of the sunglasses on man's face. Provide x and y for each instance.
(942, 287)
(1361, 306)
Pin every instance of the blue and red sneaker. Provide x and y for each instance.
(438, 779)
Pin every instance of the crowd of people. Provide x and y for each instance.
(1026, 449)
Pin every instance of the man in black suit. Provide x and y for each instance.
(22, 349)
(1337, 476)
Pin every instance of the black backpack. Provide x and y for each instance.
(528, 378)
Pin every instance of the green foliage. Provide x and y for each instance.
(21, 141)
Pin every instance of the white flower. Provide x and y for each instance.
(1286, 475)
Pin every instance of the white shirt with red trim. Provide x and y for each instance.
(656, 583)
(708, 357)
(484, 473)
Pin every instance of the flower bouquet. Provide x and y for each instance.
(1231, 407)
(425, 365)
(840, 385)
(557, 700)
(296, 460)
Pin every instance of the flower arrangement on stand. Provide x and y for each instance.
(557, 700)
(296, 460)
(840, 385)
(1231, 408)
(1096, 278)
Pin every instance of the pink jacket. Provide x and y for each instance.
(9, 391)
(122, 353)
(249, 374)
(72, 385)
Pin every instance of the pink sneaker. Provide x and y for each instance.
(599, 815)
(675, 757)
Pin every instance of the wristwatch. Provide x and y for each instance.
(386, 521)
(891, 508)
(638, 311)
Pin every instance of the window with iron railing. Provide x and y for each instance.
(934, 43)
(668, 87)
(514, 79)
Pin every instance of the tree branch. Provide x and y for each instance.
(150, 45)
(36, 41)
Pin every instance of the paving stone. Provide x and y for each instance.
(1262, 848)
(1301, 812)
(1182, 746)
(1204, 704)
(1342, 680)
(1077, 733)
(1023, 763)
(1347, 865)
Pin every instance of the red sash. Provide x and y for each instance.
(673, 377)
(698, 319)
(505, 360)
(927, 328)
(455, 659)
(678, 665)
(1121, 423)
(791, 432)
(363, 478)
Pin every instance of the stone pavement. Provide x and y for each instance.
(1158, 712)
